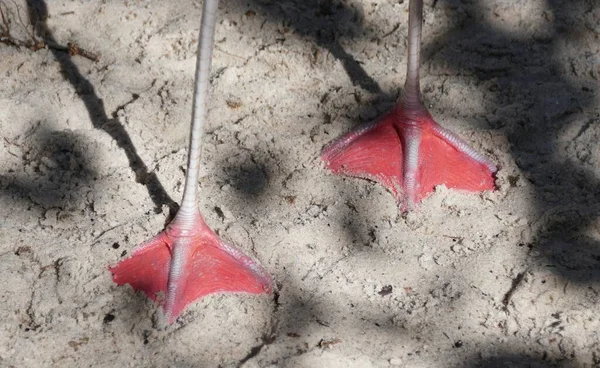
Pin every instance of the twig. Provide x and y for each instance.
(516, 282)
(33, 43)
(74, 49)
(29, 33)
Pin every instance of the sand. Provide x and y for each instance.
(94, 152)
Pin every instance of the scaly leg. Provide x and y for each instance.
(406, 151)
(187, 260)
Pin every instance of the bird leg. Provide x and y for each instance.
(406, 151)
(187, 260)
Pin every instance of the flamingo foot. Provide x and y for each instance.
(409, 154)
(179, 266)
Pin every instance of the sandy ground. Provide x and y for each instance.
(93, 156)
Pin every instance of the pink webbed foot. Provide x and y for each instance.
(177, 267)
(409, 154)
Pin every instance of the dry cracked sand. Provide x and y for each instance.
(94, 150)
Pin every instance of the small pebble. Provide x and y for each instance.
(396, 362)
